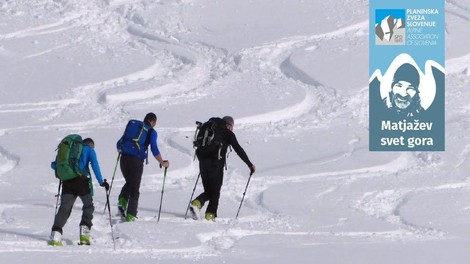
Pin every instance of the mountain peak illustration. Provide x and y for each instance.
(388, 27)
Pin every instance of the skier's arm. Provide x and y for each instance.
(239, 150)
(155, 151)
(95, 166)
(153, 143)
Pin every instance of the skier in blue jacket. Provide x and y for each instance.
(132, 166)
(78, 187)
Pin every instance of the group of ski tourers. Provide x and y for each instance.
(74, 155)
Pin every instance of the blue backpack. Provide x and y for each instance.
(135, 139)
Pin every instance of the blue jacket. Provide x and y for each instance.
(153, 143)
(88, 156)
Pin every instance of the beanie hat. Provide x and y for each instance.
(229, 120)
(407, 72)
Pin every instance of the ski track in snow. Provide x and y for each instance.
(41, 30)
(273, 60)
(454, 3)
(8, 162)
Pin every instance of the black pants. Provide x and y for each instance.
(71, 189)
(212, 175)
(132, 169)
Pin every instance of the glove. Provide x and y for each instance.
(105, 184)
(252, 169)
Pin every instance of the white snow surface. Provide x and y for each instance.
(293, 74)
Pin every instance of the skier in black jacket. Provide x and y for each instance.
(212, 173)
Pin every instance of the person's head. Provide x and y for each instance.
(230, 122)
(404, 93)
(150, 119)
(89, 142)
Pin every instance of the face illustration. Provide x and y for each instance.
(402, 94)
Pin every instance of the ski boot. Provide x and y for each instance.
(195, 209)
(122, 206)
(56, 239)
(130, 218)
(84, 235)
(210, 217)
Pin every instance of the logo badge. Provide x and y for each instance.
(407, 75)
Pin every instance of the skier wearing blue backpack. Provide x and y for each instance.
(132, 146)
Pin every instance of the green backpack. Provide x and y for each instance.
(68, 157)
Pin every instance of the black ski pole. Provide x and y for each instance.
(190, 199)
(58, 197)
(109, 213)
(236, 217)
(112, 180)
(161, 197)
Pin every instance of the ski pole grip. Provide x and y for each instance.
(161, 164)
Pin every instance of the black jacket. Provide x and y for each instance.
(229, 139)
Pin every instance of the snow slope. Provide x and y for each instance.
(88, 66)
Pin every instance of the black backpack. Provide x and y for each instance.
(208, 139)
